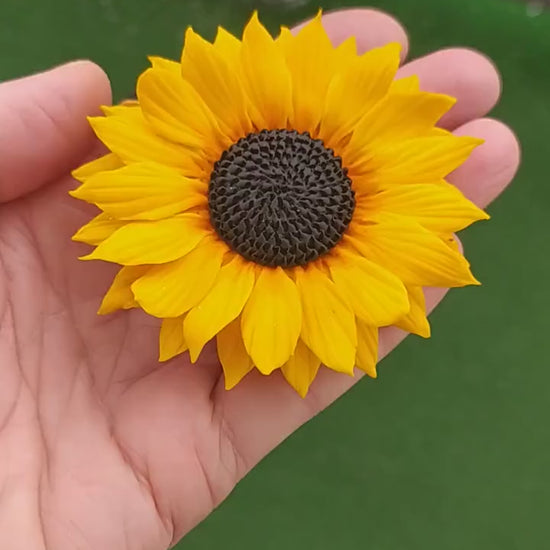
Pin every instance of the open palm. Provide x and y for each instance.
(100, 446)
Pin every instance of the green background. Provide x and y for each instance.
(450, 448)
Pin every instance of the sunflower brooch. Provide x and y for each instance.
(283, 196)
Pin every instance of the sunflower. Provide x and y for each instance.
(283, 196)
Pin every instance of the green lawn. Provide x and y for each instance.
(450, 448)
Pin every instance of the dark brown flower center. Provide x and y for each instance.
(280, 198)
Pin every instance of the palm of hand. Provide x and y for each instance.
(109, 437)
(102, 447)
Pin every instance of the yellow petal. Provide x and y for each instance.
(223, 303)
(120, 110)
(398, 116)
(271, 320)
(171, 341)
(155, 242)
(165, 64)
(172, 289)
(285, 38)
(415, 321)
(120, 295)
(451, 241)
(405, 85)
(177, 112)
(310, 58)
(354, 91)
(340, 57)
(420, 160)
(367, 348)
(377, 296)
(440, 132)
(266, 78)
(218, 83)
(228, 47)
(417, 256)
(301, 369)
(440, 207)
(127, 133)
(97, 230)
(236, 362)
(345, 54)
(102, 164)
(145, 191)
(328, 326)
(130, 103)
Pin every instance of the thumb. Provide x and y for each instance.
(44, 132)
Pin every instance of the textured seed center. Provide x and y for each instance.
(280, 198)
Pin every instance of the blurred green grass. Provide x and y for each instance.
(450, 448)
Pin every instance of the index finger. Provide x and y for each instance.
(44, 131)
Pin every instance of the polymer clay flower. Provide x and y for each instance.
(282, 196)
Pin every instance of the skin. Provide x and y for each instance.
(100, 445)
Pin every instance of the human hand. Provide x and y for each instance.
(100, 446)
